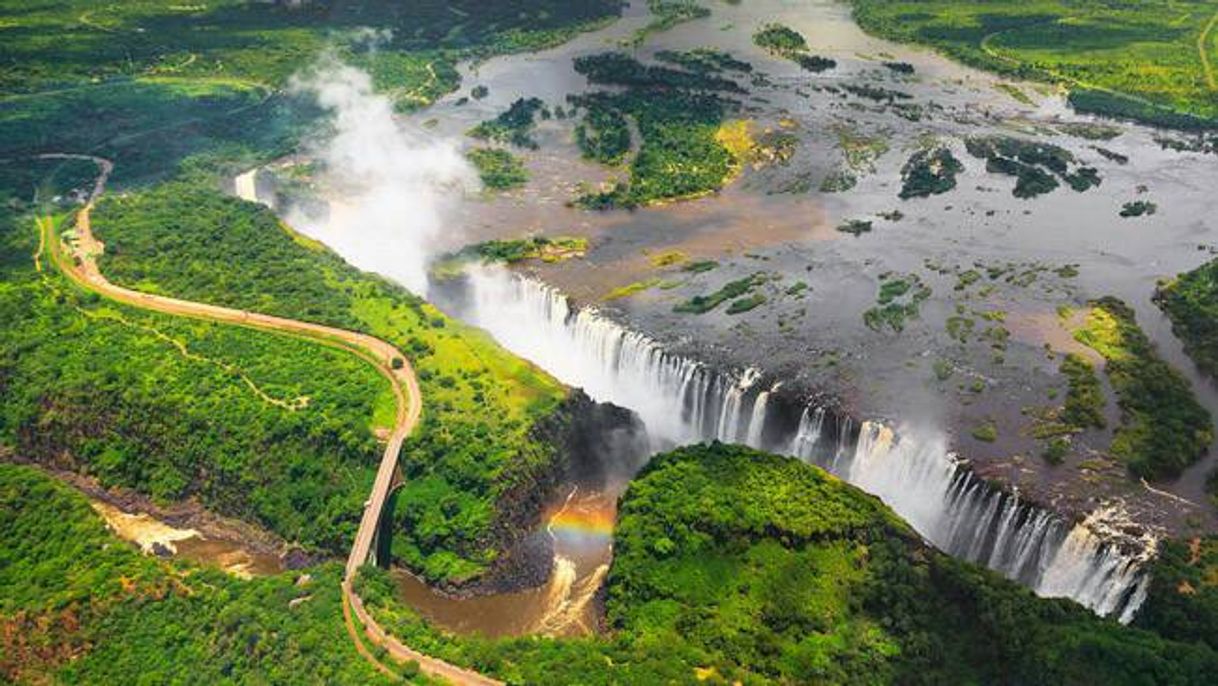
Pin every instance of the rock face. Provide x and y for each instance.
(591, 445)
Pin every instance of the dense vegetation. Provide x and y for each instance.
(784, 41)
(780, 40)
(499, 169)
(704, 60)
(514, 125)
(1137, 208)
(1183, 600)
(733, 566)
(460, 462)
(159, 81)
(81, 607)
(680, 155)
(1163, 427)
(1151, 61)
(687, 146)
(604, 134)
(1191, 302)
(264, 427)
(701, 304)
(929, 171)
(1085, 402)
(510, 251)
(899, 299)
(620, 69)
(669, 13)
(1032, 163)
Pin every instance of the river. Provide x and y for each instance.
(657, 360)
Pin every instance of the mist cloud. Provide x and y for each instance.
(390, 184)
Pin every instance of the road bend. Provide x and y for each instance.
(78, 260)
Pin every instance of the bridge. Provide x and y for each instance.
(78, 262)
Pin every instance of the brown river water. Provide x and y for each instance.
(151, 534)
(581, 527)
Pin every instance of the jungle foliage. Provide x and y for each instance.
(1183, 601)
(734, 566)
(1143, 60)
(929, 171)
(81, 607)
(1191, 302)
(514, 125)
(1034, 164)
(474, 445)
(499, 169)
(151, 83)
(265, 427)
(1163, 428)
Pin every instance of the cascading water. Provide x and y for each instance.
(682, 401)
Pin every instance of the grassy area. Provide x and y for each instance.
(81, 607)
(475, 445)
(1163, 427)
(733, 566)
(1152, 61)
(499, 170)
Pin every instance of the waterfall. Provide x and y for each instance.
(245, 186)
(683, 401)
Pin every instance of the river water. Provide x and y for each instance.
(581, 527)
(154, 536)
(820, 341)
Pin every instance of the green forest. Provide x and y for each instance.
(81, 607)
(160, 81)
(1151, 61)
(1163, 427)
(258, 426)
(1191, 302)
(680, 117)
(734, 566)
(476, 444)
(731, 566)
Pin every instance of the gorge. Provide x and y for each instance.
(682, 401)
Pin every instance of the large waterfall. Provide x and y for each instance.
(683, 401)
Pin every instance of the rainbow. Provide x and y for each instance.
(597, 522)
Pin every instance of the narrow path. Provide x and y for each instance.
(1202, 50)
(79, 264)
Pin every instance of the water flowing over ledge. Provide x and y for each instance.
(683, 401)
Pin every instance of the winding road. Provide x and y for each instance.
(78, 261)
